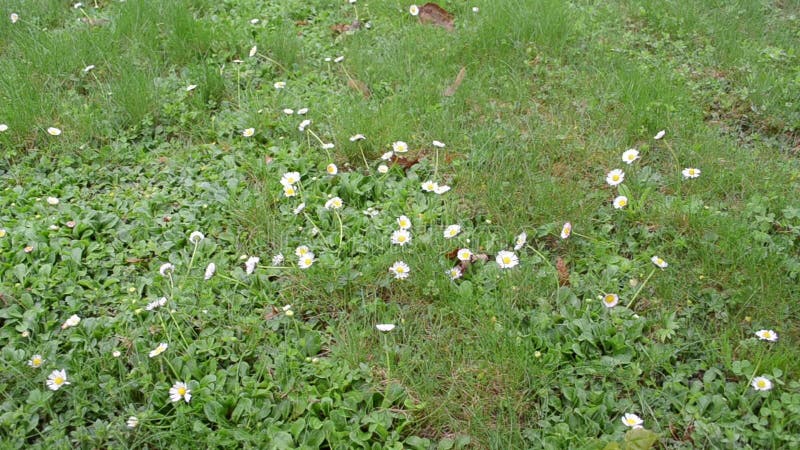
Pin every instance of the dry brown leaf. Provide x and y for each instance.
(405, 163)
(359, 86)
(436, 15)
(451, 90)
(133, 260)
(563, 272)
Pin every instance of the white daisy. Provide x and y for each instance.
(439, 144)
(304, 124)
(132, 422)
(620, 202)
(385, 327)
(179, 391)
(210, 269)
(506, 259)
(14, 17)
(302, 111)
(690, 172)
(3, 127)
(566, 230)
(387, 156)
(290, 178)
(630, 155)
(338, 59)
(53, 201)
(278, 259)
(299, 208)
(248, 132)
(288, 111)
(196, 237)
(452, 231)
(520, 240)
(327, 146)
(301, 250)
(191, 87)
(429, 186)
(404, 222)
(357, 137)
(610, 300)
(659, 262)
(306, 260)
(334, 203)
(73, 321)
(289, 191)
(615, 177)
(660, 135)
(454, 273)
(161, 348)
(250, 264)
(36, 361)
(475, 9)
(156, 303)
(441, 189)
(761, 384)
(401, 237)
(399, 147)
(767, 335)
(332, 169)
(413, 10)
(253, 51)
(279, 84)
(57, 379)
(383, 168)
(88, 68)
(632, 420)
(464, 254)
(400, 270)
(254, 21)
(53, 131)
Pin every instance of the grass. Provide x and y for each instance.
(526, 357)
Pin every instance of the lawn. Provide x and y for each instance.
(343, 224)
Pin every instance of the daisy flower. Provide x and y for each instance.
(191, 87)
(250, 264)
(36, 361)
(464, 254)
(156, 303)
(400, 270)
(566, 230)
(247, 132)
(304, 124)
(401, 237)
(610, 300)
(57, 379)
(327, 146)
(404, 222)
(357, 137)
(288, 111)
(454, 273)
(132, 422)
(383, 168)
(306, 260)
(334, 203)
(3, 232)
(299, 208)
(659, 262)
(620, 202)
(690, 172)
(506, 259)
(290, 178)
(660, 135)
(385, 327)
(179, 391)
(289, 191)
(630, 155)
(90, 67)
(161, 348)
(399, 147)
(278, 259)
(441, 189)
(210, 269)
(632, 420)
(429, 186)
(196, 237)
(338, 59)
(413, 10)
(371, 212)
(253, 51)
(302, 111)
(452, 231)
(53, 131)
(332, 169)
(767, 335)
(387, 156)
(615, 177)
(73, 321)
(761, 384)
(14, 17)
(301, 250)
(165, 269)
(475, 9)
(52, 201)
(438, 144)
(279, 84)
(3, 127)
(520, 240)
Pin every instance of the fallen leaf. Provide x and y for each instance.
(133, 260)
(563, 272)
(436, 15)
(359, 86)
(451, 90)
(340, 28)
(405, 163)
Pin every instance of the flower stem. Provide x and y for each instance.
(641, 287)
(388, 361)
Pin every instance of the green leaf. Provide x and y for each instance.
(640, 439)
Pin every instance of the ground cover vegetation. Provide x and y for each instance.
(372, 224)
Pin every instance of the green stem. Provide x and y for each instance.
(341, 227)
(191, 260)
(641, 287)
(547, 261)
(388, 361)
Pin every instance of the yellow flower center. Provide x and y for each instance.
(58, 381)
(506, 260)
(400, 270)
(37, 362)
(181, 391)
(761, 383)
(623, 202)
(401, 238)
(615, 177)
